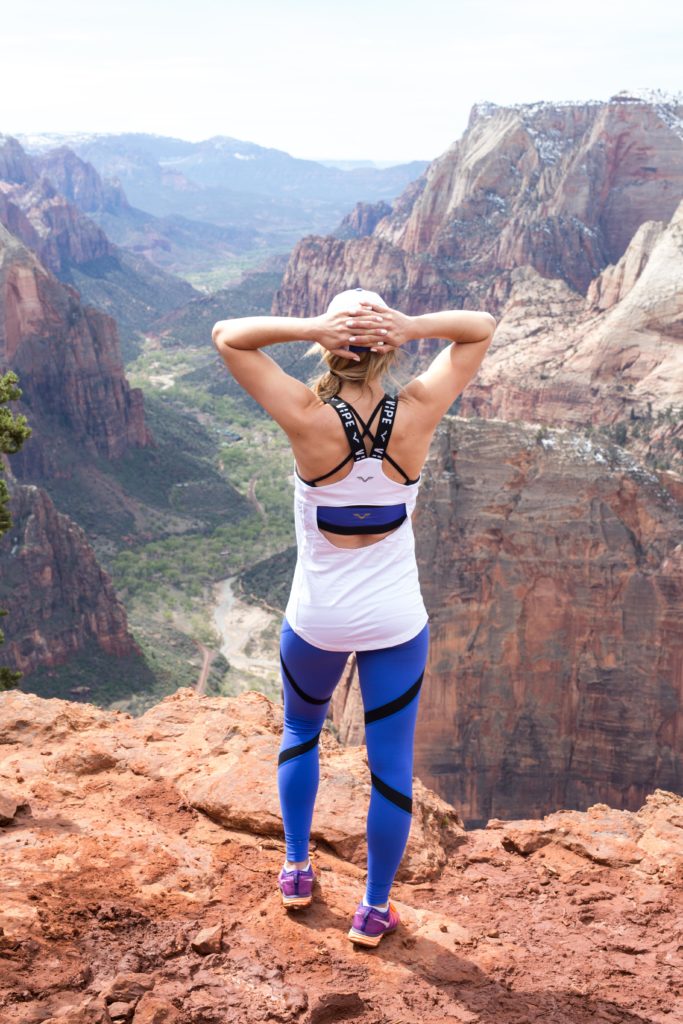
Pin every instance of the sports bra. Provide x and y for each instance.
(360, 519)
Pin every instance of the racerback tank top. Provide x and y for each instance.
(357, 599)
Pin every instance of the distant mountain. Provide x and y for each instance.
(174, 243)
(103, 464)
(565, 221)
(230, 182)
(70, 244)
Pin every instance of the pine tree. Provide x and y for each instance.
(14, 430)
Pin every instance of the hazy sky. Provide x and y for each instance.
(389, 80)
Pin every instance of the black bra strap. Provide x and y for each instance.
(384, 427)
(317, 479)
(353, 435)
(380, 439)
(366, 426)
(401, 471)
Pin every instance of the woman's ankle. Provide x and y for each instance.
(378, 906)
(299, 865)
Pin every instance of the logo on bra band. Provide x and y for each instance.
(365, 478)
(361, 515)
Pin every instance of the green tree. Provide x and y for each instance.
(14, 430)
(621, 434)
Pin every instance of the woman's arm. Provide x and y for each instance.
(239, 341)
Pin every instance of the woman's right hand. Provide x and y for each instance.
(398, 328)
(375, 327)
(357, 325)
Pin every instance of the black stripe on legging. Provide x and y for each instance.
(392, 706)
(400, 799)
(301, 748)
(297, 688)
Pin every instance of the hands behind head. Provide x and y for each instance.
(378, 328)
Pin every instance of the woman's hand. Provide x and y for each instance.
(393, 330)
(357, 325)
(364, 326)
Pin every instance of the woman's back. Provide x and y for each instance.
(356, 584)
(347, 594)
(323, 445)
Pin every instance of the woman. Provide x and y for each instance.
(355, 586)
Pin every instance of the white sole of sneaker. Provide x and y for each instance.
(296, 901)
(368, 940)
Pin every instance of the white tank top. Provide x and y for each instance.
(357, 599)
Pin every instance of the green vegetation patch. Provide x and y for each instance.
(270, 579)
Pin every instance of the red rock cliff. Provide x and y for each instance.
(553, 573)
(139, 859)
(558, 187)
(57, 595)
(42, 203)
(68, 360)
(78, 181)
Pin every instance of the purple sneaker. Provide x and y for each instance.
(370, 924)
(296, 886)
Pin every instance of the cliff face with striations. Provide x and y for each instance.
(140, 857)
(565, 221)
(362, 220)
(561, 188)
(78, 181)
(58, 595)
(68, 360)
(552, 570)
(616, 356)
(61, 237)
(44, 201)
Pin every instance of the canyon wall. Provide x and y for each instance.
(57, 595)
(44, 202)
(69, 364)
(566, 222)
(552, 569)
(561, 188)
(615, 356)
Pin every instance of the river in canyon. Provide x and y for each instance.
(249, 639)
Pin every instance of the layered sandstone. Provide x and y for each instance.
(552, 569)
(44, 201)
(616, 356)
(613, 359)
(57, 596)
(62, 237)
(68, 360)
(561, 188)
(362, 220)
(565, 222)
(78, 181)
(139, 864)
(16, 165)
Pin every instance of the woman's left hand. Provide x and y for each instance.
(396, 329)
(358, 325)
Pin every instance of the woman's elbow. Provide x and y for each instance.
(219, 335)
(490, 323)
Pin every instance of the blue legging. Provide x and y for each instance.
(390, 681)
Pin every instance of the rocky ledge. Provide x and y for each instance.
(139, 858)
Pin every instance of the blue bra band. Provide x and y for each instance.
(352, 519)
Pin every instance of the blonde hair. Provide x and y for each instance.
(369, 367)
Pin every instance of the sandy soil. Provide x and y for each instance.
(241, 627)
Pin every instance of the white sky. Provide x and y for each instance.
(389, 80)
